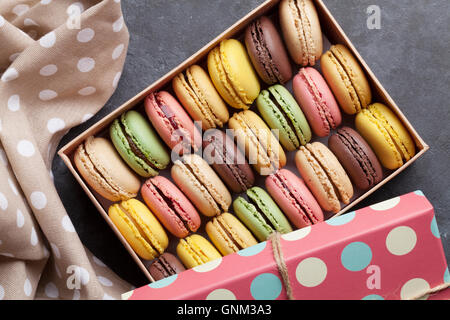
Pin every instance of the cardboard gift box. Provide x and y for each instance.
(332, 34)
(388, 251)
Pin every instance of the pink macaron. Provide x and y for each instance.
(294, 198)
(172, 123)
(317, 101)
(171, 206)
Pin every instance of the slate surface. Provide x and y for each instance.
(410, 55)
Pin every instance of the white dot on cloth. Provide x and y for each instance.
(48, 70)
(30, 22)
(116, 79)
(76, 295)
(55, 125)
(3, 158)
(48, 40)
(98, 262)
(105, 281)
(46, 1)
(108, 297)
(118, 25)
(311, 272)
(3, 202)
(55, 250)
(221, 294)
(20, 218)
(25, 148)
(0, 125)
(86, 64)
(401, 240)
(75, 8)
(67, 224)
(117, 51)
(51, 290)
(20, 9)
(46, 253)
(33, 238)
(46, 95)
(14, 103)
(14, 56)
(2, 21)
(13, 187)
(87, 91)
(85, 35)
(38, 200)
(27, 288)
(10, 74)
(116, 1)
(2, 292)
(413, 288)
(58, 273)
(87, 116)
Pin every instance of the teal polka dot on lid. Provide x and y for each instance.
(164, 282)
(266, 286)
(435, 229)
(356, 256)
(446, 276)
(419, 193)
(341, 220)
(253, 250)
(373, 297)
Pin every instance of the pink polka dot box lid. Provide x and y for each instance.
(388, 251)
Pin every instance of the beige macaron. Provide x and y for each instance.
(346, 79)
(104, 171)
(198, 96)
(325, 176)
(301, 30)
(201, 185)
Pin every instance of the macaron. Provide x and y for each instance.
(262, 148)
(139, 227)
(172, 123)
(138, 144)
(387, 135)
(324, 176)
(357, 158)
(281, 112)
(198, 181)
(267, 52)
(232, 74)
(197, 94)
(171, 206)
(294, 198)
(165, 266)
(261, 214)
(195, 250)
(228, 234)
(317, 101)
(104, 171)
(300, 25)
(346, 79)
(220, 151)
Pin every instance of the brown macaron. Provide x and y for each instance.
(267, 52)
(165, 266)
(357, 158)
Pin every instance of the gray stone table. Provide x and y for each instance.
(410, 55)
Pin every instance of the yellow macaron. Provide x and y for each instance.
(140, 228)
(233, 75)
(195, 250)
(386, 134)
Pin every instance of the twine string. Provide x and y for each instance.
(275, 239)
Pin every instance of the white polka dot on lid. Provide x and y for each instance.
(67, 224)
(386, 205)
(105, 281)
(209, 266)
(311, 272)
(118, 25)
(117, 51)
(116, 79)
(297, 235)
(47, 95)
(401, 241)
(13, 187)
(221, 294)
(20, 220)
(25, 148)
(20, 9)
(51, 290)
(127, 295)
(414, 288)
(55, 125)
(86, 64)
(85, 35)
(48, 70)
(14, 103)
(38, 200)
(48, 40)
(27, 288)
(3, 202)
(87, 91)
(10, 74)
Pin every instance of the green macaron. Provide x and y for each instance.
(281, 112)
(261, 214)
(138, 144)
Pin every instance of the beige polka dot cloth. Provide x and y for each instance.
(60, 61)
